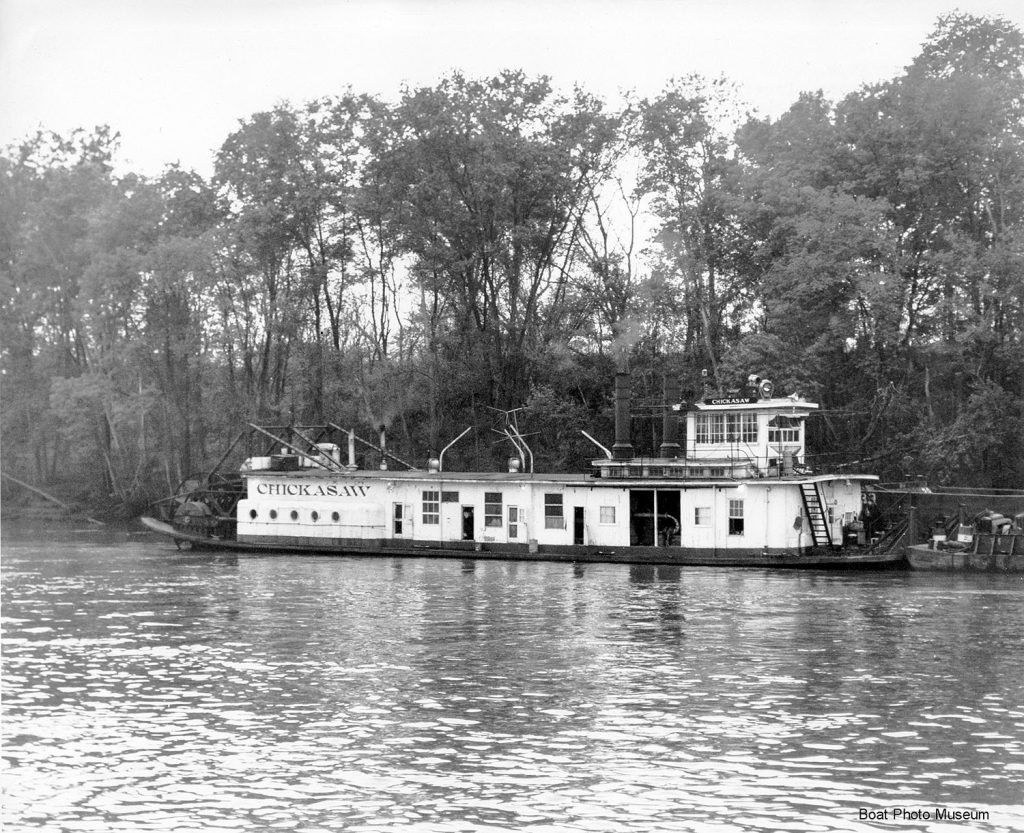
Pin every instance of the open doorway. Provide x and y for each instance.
(654, 518)
(578, 526)
(641, 517)
(669, 522)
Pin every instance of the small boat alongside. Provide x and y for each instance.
(992, 543)
(735, 492)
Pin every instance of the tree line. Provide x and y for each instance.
(485, 245)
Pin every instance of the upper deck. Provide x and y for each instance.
(748, 434)
(769, 433)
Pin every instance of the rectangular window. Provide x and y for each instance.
(513, 522)
(710, 428)
(449, 497)
(741, 428)
(783, 429)
(607, 514)
(553, 517)
(492, 509)
(399, 516)
(748, 429)
(431, 507)
(701, 432)
(716, 430)
(732, 428)
(702, 516)
(716, 472)
(726, 428)
(735, 517)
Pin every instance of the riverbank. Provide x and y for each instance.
(38, 509)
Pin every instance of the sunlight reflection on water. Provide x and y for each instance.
(146, 689)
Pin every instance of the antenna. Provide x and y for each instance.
(511, 431)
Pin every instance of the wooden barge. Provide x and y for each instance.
(990, 543)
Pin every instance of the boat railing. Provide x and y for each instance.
(892, 537)
(220, 497)
(890, 521)
(840, 463)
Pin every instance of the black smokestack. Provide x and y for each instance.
(670, 419)
(623, 448)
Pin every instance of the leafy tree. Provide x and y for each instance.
(478, 245)
(685, 139)
(51, 188)
(943, 145)
(884, 238)
(494, 177)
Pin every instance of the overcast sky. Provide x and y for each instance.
(175, 76)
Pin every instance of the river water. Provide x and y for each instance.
(146, 689)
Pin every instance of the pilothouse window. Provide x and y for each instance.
(726, 428)
(783, 429)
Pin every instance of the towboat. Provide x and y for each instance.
(735, 492)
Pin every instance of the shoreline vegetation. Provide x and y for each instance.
(480, 246)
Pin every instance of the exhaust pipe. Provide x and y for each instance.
(670, 419)
(623, 448)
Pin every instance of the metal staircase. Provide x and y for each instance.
(820, 533)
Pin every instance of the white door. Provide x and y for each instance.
(514, 526)
(401, 520)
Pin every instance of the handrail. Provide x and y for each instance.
(376, 448)
(317, 462)
(337, 466)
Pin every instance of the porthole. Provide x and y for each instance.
(273, 514)
(253, 514)
(314, 515)
(335, 517)
(295, 514)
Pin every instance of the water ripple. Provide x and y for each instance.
(150, 690)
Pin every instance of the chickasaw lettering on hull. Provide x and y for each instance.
(311, 490)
